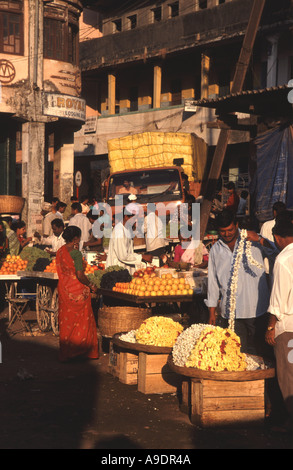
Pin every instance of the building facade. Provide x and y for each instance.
(40, 105)
(150, 59)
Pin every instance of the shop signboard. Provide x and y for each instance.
(64, 106)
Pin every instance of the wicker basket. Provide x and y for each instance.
(112, 320)
(11, 204)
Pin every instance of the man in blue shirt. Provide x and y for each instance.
(252, 294)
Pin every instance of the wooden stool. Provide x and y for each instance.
(18, 306)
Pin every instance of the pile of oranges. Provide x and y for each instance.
(51, 268)
(12, 264)
(153, 286)
(90, 268)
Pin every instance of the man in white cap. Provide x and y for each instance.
(121, 252)
(80, 220)
(49, 213)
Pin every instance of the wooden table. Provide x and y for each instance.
(144, 365)
(223, 398)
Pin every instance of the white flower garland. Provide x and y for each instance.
(242, 254)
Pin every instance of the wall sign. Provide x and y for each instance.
(7, 71)
(78, 178)
(64, 106)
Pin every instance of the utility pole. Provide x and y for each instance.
(238, 80)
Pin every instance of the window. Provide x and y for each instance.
(157, 14)
(11, 27)
(153, 184)
(202, 4)
(174, 9)
(72, 44)
(117, 24)
(60, 36)
(132, 21)
(134, 99)
(176, 92)
(54, 39)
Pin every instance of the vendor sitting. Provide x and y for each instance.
(54, 241)
(195, 253)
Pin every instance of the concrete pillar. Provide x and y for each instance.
(33, 151)
(111, 93)
(205, 69)
(64, 166)
(157, 86)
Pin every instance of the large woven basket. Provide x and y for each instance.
(11, 204)
(112, 320)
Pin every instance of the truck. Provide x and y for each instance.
(155, 167)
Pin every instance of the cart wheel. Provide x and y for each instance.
(54, 313)
(43, 303)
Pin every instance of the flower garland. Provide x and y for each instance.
(155, 331)
(186, 342)
(213, 348)
(242, 253)
(217, 349)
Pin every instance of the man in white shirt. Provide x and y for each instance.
(280, 327)
(121, 252)
(154, 232)
(60, 208)
(266, 232)
(80, 220)
(266, 228)
(55, 241)
(50, 213)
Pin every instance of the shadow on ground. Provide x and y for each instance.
(46, 404)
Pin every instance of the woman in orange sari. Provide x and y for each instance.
(77, 326)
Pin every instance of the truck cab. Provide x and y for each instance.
(148, 185)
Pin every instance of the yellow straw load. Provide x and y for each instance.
(157, 149)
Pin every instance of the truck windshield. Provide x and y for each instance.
(148, 185)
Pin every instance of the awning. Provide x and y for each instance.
(267, 101)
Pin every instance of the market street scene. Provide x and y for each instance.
(146, 227)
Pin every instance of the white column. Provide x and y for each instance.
(64, 167)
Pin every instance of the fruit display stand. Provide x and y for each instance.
(223, 398)
(142, 365)
(139, 299)
(46, 299)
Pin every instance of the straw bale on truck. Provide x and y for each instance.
(159, 150)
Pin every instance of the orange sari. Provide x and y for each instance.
(77, 326)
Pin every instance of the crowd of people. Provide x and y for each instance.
(264, 295)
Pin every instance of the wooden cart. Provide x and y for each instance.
(46, 299)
